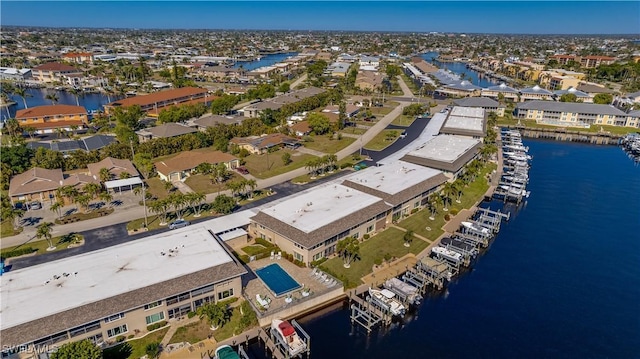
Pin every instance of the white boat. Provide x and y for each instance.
(476, 228)
(226, 352)
(411, 293)
(516, 147)
(288, 336)
(385, 298)
(447, 254)
(519, 157)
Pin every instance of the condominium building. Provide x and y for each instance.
(116, 292)
(574, 114)
(153, 103)
(48, 118)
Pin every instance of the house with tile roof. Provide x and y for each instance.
(35, 184)
(115, 166)
(262, 144)
(164, 131)
(180, 167)
(52, 72)
(153, 103)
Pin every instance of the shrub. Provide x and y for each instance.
(414, 210)
(17, 252)
(377, 261)
(130, 336)
(387, 256)
(366, 236)
(318, 262)
(120, 338)
(454, 212)
(244, 258)
(264, 242)
(191, 314)
(346, 165)
(299, 263)
(157, 325)
(447, 217)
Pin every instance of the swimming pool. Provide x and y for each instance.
(277, 280)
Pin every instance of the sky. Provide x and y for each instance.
(521, 17)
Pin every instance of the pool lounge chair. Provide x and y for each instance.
(314, 271)
(279, 256)
(273, 255)
(263, 301)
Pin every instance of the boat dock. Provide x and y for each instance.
(365, 312)
(515, 162)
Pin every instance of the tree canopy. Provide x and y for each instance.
(568, 97)
(83, 349)
(318, 123)
(603, 98)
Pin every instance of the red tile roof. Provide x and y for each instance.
(50, 110)
(55, 66)
(161, 96)
(54, 124)
(77, 54)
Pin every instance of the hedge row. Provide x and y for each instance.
(17, 252)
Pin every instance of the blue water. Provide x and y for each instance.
(265, 60)
(279, 281)
(561, 280)
(36, 97)
(460, 68)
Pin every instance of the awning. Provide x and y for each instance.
(238, 232)
(123, 182)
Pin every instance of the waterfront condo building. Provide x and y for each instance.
(574, 114)
(116, 292)
(153, 103)
(309, 224)
(48, 118)
(447, 153)
(52, 72)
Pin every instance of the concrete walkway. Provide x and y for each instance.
(174, 327)
(310, 151)
(406, 91)
(298, 81)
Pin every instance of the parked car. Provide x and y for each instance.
(403, 134)
(179, 224)
(242, 170)
(35, 205)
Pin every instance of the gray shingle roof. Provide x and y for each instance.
(502, 88)
(586, 108)
(536, 90)
(477, 102)
(464, 86)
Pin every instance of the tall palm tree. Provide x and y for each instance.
(106, 197)
(83, 200)
(161, 208)
(196, 199)
(458, 185)
(104, 174)
(215, 314)
(52, 97)
(251, 184)
(447, 192)
(77, 93)
(434, 201)
(22, 92)
(13, 214)
(44, 230)
(57, 208)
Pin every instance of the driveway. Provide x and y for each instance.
(182, 187)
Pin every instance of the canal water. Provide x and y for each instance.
(265, 60)
(37, 97)
(561, 280)
(460, 68)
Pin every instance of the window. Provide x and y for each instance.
(117, 331)
(114, 317)
(317, 256)
(153, 305)
(200, 302)
(225, 294)
(179, 311)
(155, 318)
(178, 298)
(356, 235)
(298, 256)
(84, 329)
(50, 340)
(370, 229)
(202, 290)
(416, 205)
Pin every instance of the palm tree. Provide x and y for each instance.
(30, 131)
(349, 250)
(196, 199)
(178, 202)
(13, 127)
(215, 314)
(22, 92)
(434, 202)
(161, 208)
(83, 200)
(251, 184)
(77, 93)
(104, 174)
(106, 197)
(408, 238)
(458, 185)
(12, 214)
(57, 208)
(44, 230)
(447, 192)
(52, 97)
(219, 174)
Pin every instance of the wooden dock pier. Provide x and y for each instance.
(365, 312)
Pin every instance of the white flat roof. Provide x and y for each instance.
(32, 293)
(445, 148)
(393, 177)
(432, 129)
(464, 123)
(477, 112)
(232, 234)
(323, 205)
(123, 182)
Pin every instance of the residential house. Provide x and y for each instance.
(369, 80)
(48, 118)
(207, 121)
(301, 128)
(461, 89)
(115, 166)
(351, 110)
(262, 144)
(180, 167)
(164, 131)
(14, 74)
(67, 146)
(369, 63)
(52, 72)
(35, 184)
(338, 69)
(224, 73)
(254, 110)
(78, 57)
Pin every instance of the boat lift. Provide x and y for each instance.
(366, 313)
(436, 272)
(277, 346)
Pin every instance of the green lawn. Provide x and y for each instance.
(257, 164)
(617, 130)
(202, 183)
(410, 83)
(354, 130)
(258, 194)
(192, 333)
(381, 111)
(419, 222)
(235, 325)
(388, 243)
(134, 348)
(7, 230)
(365, 123)
(326, 145)
(403, 120)
(381, 141)
(155, 187)
(40, 246)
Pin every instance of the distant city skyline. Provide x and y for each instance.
(514, 17)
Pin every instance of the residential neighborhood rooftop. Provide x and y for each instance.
(50, 110)
(573, 107)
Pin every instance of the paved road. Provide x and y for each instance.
(297, 82)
